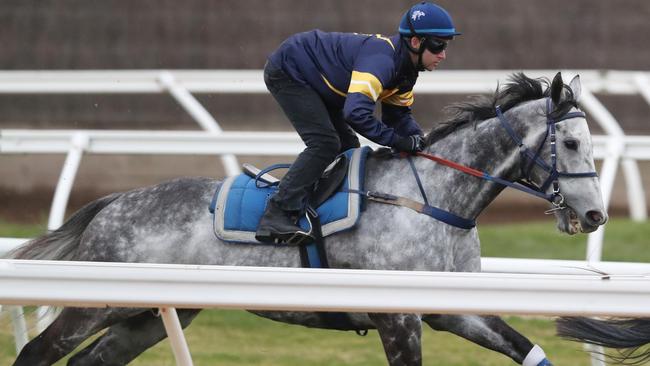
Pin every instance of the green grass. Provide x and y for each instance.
(13, 230)
(624, 241)
(220, 337)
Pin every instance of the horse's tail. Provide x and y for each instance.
(626, 335)
(61, 244)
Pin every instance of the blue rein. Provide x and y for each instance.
(525, 185)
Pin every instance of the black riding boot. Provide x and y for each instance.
(279, 226)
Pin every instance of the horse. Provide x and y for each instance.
(529, 130)
(626, 335)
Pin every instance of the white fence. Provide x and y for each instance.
(565, 294)
(15, 141)
(168, 287)
(96, 284)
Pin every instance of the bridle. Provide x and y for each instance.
(530, 158)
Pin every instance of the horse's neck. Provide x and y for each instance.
(488, 148)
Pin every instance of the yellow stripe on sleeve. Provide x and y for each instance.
(403, 100)
(387, 93)
(365, 83)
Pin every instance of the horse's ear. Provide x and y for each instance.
(576, 88)
(556, 88)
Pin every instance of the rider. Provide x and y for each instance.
(328, 84)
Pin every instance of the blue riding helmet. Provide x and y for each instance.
(427, 19)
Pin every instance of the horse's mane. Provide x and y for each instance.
(520, 88)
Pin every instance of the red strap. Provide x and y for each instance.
(452, 164)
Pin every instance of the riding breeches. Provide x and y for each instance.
(323, 130)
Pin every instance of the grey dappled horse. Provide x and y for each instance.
(170, 223)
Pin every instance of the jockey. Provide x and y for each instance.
(328, 85)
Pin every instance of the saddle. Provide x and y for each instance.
(326, 186)
(240, 201)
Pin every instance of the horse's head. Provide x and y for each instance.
(563, 165)
(547, 149)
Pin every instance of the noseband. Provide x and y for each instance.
(531, 158)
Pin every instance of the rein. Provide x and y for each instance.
(484, 175)
(525, 185)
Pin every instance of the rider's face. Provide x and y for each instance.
(430, 60)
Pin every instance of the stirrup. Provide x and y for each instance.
(289, 238)
(301, 237)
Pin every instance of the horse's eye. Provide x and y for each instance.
(571, 144)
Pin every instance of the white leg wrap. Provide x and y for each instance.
(534, 357)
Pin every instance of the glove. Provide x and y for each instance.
(410, 144)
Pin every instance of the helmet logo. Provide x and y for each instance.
(417, 14)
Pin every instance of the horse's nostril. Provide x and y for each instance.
(596, 217)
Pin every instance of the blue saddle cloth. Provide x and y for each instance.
(238, 204)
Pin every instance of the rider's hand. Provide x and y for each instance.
(410, 144)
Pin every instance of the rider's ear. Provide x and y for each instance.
(576, 88)
(415, 42)
(556, 88)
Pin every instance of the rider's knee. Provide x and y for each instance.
(327, 146)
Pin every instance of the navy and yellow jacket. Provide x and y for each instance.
(353, 72)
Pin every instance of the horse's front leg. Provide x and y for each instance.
(400, 334)
(493, 333)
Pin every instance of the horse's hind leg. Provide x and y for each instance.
(67, 331)
(490, 332)
(127, 339)
(400, 334)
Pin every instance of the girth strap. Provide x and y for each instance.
(314, 255)
(437, 213)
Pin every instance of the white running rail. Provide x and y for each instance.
(96, 284)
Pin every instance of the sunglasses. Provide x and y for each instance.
(435, 46)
